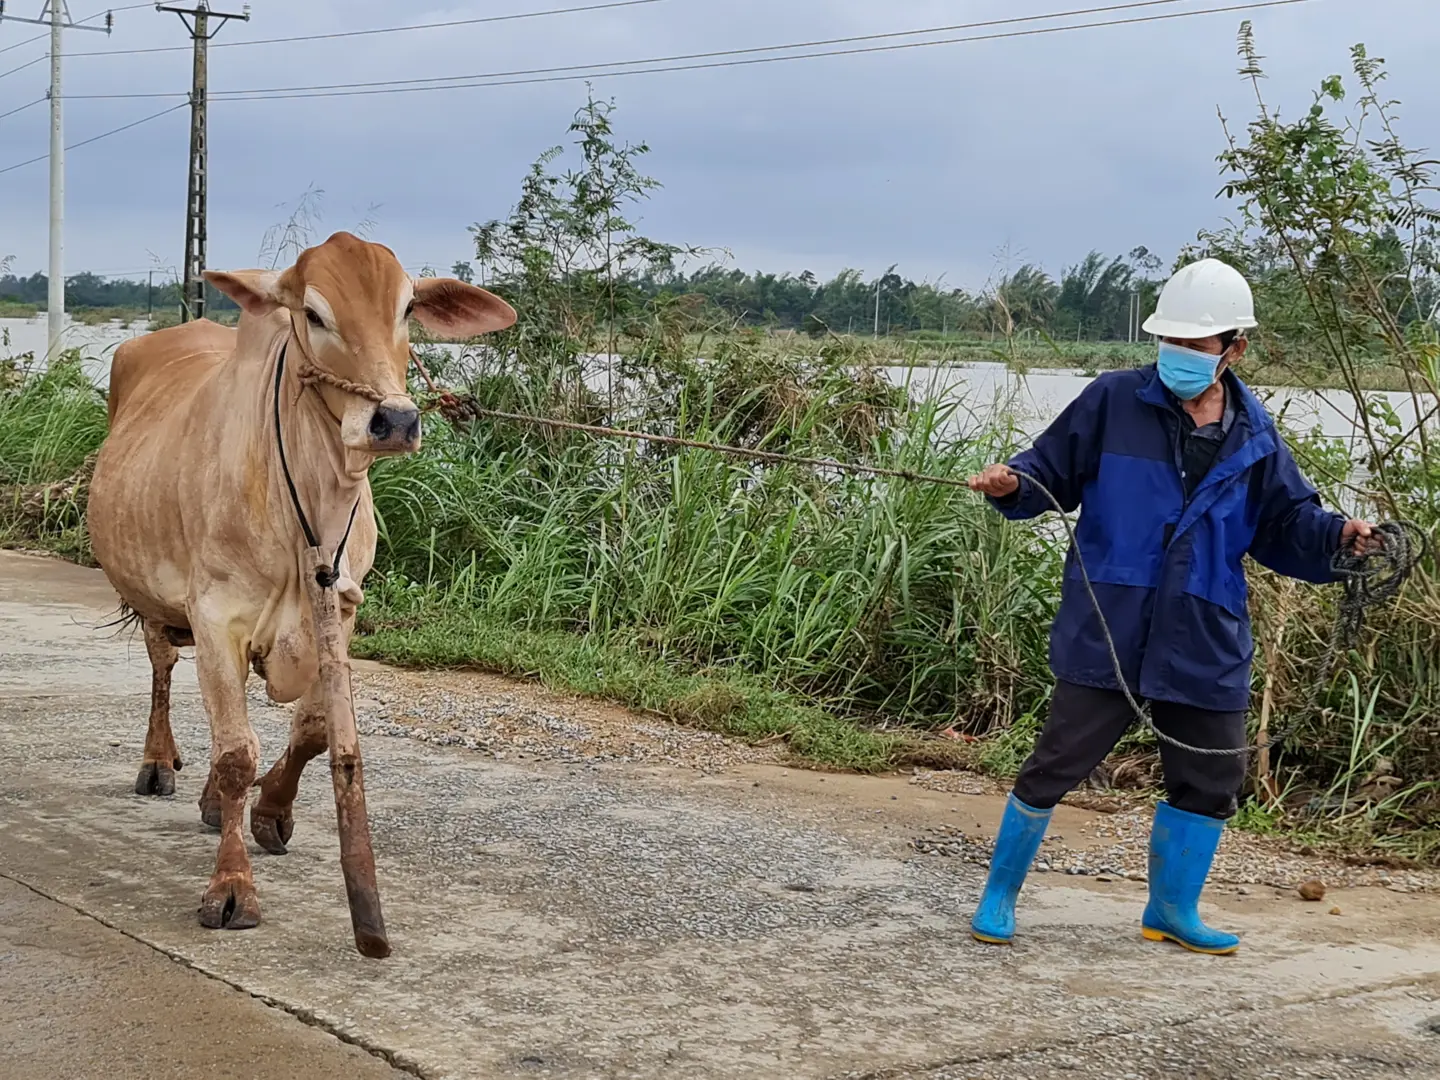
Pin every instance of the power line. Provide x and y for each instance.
(589, 71)
(890, 35)
(22, 108)
(102, 135)
(28, 64)
(56, 15)
(21, 44)
(386, 29)
(735, 63)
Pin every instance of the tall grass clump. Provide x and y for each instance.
(51, 421)
(905, 603)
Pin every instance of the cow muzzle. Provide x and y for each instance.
(394, 428)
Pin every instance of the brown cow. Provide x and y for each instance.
(230, 508)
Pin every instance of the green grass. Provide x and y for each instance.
(898, 604)
(49, 424)
(1253, 816)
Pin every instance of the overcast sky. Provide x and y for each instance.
(955, 160)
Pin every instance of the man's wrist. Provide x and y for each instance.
(1007, 502)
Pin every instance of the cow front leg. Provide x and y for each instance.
(162, 757)
(210, 802)
(230, 901)
(272, 818)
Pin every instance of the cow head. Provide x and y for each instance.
(350, 304)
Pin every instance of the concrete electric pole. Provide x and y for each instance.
(56, 15)
(197, 21)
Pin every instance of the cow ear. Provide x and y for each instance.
(258, 292)
(450, 307)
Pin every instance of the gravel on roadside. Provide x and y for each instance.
(513, 720)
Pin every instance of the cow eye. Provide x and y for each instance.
(313, 319)
(410, 309)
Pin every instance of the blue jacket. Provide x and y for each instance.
(1169, 574)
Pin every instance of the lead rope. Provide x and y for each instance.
(1369, 580)
(325, 577)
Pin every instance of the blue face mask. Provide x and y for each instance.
(1186, 372)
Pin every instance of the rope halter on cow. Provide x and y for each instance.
(309, 374)
(326, 576)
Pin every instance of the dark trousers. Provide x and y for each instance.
(1085, 724)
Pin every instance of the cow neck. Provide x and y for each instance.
(300, 433)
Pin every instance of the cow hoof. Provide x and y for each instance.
(230, 905)
(210, 813)
(155, 779)
(271, 832)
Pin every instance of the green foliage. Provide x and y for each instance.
(100, 298)
(1090, 303)
(50, 424)
(899, 602)
(567, 257)
(49, 421)
(1337, 229)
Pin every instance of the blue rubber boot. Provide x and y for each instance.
(1182, 847)
(1021, 830)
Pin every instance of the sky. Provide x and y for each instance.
(954, 162)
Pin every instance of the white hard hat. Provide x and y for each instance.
(1201, 300)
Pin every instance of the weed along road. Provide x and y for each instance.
(594, 915)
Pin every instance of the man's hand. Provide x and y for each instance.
(997, 481)
(1361, 538)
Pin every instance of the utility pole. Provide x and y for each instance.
(56, 15)
(192, 302)
(877, 308)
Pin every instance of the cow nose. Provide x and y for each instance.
(394, 428)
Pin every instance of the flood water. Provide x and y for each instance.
(977, 390)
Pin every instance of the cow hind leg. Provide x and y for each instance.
(272, 818)
(230, 901)
(162, 757)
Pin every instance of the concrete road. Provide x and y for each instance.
(604, 921)
(79, 999)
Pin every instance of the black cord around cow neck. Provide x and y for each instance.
(325, 577)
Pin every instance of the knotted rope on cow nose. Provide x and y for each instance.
(309, 375)
(325, 576)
